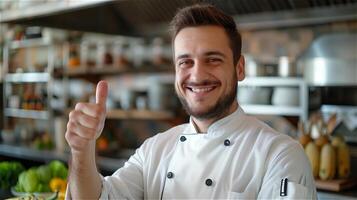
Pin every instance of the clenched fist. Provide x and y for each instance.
(86, 121)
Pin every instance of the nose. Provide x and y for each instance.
(198, 72)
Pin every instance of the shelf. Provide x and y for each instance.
(30, 114)
(28, 43)
(94, 70)
(33, 77)
(27, 153)
(139, 114)
(272, 110)
(110, 70)
(272, 81)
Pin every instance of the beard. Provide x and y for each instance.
(219, 109)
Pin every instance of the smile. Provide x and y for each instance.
(200, 90)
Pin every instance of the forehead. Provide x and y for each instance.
(200, 39)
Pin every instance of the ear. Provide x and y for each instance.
(240, 68)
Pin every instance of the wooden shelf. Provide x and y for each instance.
(30, 114)
(336, 185)
(110, 70)
(139, 114)
(80, 70)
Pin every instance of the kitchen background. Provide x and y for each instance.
(301, 76)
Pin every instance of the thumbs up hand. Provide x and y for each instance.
(86, 121)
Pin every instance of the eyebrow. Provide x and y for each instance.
(182, 56)
(209, 53)
(214, 53)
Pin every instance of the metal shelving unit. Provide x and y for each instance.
(272, 110)
(33, 77)
(139, 114)
(299, 111)
(30, 114)
(267, 81)
(29, 43)
(112, 70)
(29, 77)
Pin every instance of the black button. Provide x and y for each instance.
(227, 142)
(183, 138)
(209, 182)
(170, 175)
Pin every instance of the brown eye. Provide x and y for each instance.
(185, 63)
(214, 60)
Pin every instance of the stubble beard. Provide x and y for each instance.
(218, 110)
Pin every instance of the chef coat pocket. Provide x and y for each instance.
(295, 191)
(241, 195)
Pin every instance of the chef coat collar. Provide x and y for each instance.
(218, 128)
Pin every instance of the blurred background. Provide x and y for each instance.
(301, 79)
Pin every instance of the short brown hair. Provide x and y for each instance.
(205, 14)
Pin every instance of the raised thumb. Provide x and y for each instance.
(101, 93)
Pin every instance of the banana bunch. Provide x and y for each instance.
(329, 159)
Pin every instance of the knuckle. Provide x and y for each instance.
(72, 114)
(79, 106)
(68, 137)
(70, 125)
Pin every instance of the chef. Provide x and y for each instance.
(221, 153)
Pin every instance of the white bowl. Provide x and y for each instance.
(254, 95)
(286, 96)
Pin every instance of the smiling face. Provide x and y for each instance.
(206, 78)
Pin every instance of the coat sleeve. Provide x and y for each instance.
(293, 164)
(127, 182)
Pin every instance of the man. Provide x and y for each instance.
(221, 153)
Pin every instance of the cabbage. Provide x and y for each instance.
(58, 169)
(43, 188)
(44, 174)
(30, 181)
(9, 172)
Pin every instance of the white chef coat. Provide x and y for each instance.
(239, 157)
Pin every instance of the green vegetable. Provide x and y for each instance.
(19, 187)
(37, 179)
(9, 171)
(44, 174)
(30, 181)
(43, 188)
(58, 169)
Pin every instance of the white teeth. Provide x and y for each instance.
(198, 90)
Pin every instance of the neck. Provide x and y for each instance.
(202, 125)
